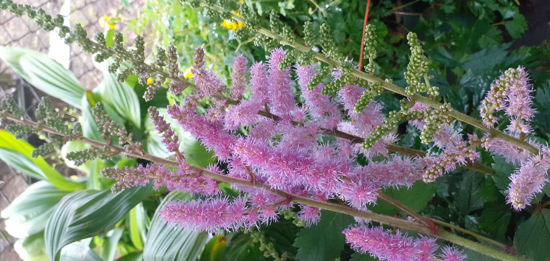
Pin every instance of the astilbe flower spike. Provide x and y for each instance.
(208, 215)
(452, 254)
(511, 93)
(386, 245)
(169, 138)
(528, 180)
(211, 134)
(184, 179)
(238, 83)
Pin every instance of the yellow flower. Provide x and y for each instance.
(107, 22)
(188, 73)
(150, 80)
(232, 25)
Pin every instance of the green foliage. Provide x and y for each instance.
(415, 198)
(28, 213)
(83, 214)
(532, 237)
(121, 97)
(44, 73)
(18, 154)
(323, 241)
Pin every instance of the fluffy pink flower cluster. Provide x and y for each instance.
(183, 180)
(456, 151)
(286, 145)
(386, 245)
(510, 93)
(528, 180)
(304, 143)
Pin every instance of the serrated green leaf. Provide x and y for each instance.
(517, 26)
(532, 237)
(83, 214)
(8, 141)
(28, 213)
(324, 241)
(44, 73)
(495, 219)
(503, 170)
(172, 242)
(468, 196)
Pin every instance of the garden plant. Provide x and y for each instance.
(288, 130)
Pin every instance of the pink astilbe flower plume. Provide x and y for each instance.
(452, 254)
(169, 138)
(281, 98)
(183, 180)
(319, 105)
(529, 180)
(245, 113)
(512, 153)
(259, 83)
(390, 246)
(211, 134)
(511, 93)
(209, 215)
(238, 81)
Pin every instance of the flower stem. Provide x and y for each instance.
(404, 224)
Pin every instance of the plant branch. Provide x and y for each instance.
(378, 218)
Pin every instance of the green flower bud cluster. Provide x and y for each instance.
(434, 121)
(368, 95)
(369, 49)
(110, 129)
(327, 43)
(288, 214)
(389, 124)
(268, 248)
(305, 58)
(46, 148)
(48, 115)
(309, 34)
(289, 60)
(333, 87)
(20, 131)
(417, 67)
(8, 106)
(250, 17)
(318, 77)
(81, 157)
